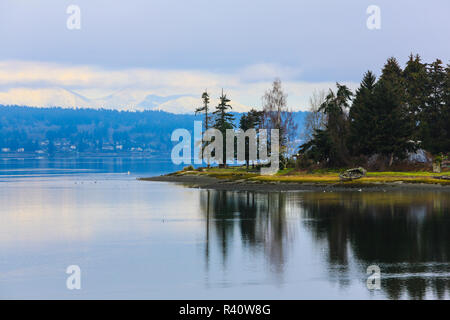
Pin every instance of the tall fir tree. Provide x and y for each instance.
(250, 120)
(446, 112)
(392, 132)
(205, 110)
(207, 119)
(223, 120)
(362, 117)
(335, 107)
(416, 92)
(433, 125)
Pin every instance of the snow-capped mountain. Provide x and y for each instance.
(120, 100)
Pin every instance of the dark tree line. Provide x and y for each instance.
(404, 110)
(45, 128)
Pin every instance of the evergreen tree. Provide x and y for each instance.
(416, 91)
(335, 107)
(387, 116)
(207, 121)
(446, 112)
(392, 132)
(434, 126)
(361, 117)
(223, 120)
(319, 148)
(205, 109)
(250, 120)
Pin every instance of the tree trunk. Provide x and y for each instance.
(391, 160)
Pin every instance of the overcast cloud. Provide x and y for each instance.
(126, 50)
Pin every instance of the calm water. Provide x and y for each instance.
(136, 239)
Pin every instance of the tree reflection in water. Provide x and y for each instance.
(406, 233)
(260, 219)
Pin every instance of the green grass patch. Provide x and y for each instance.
(284, 171)
(403, 174)
(320, 176)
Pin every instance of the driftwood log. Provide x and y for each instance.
(352, 174)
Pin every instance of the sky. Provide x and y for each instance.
(126, 52)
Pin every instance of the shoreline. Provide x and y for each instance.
(206, 181)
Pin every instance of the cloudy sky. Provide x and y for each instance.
(126, 52)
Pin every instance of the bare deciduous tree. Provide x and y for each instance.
(315, 119)
(276, 115)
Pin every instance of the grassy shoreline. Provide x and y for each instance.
(239, 175)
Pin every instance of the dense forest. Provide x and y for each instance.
(87, 130)
(61, 130)
(402, 111)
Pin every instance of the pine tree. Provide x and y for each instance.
(319, 148)
(250, 120)
(361, 117)
(207, 121)
(223, 120)
(205, 109)
(434, 125)
(334, 107)
(416, 91)
(446, 113)
(392, 132)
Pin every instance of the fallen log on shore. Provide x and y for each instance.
(352, 174)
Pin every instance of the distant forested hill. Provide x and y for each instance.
(49, 130)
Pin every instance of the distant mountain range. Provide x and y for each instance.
(67, 130)
(120, 100)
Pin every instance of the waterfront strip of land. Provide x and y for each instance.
(238, 178)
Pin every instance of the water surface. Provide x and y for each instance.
(157, 240)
